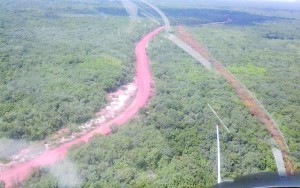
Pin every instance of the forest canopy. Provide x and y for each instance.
(56, 70)
(60, 59)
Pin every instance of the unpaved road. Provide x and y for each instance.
(143, 77)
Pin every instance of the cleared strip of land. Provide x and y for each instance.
(190, 51)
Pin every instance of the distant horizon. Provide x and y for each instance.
(270, 1)
(269, 4)
(230, 1)
(292, 1)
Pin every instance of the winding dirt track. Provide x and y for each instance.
(19, 172)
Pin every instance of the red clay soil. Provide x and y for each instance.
(19, 172)
(244, 95)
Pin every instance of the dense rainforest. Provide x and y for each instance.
(58, 60)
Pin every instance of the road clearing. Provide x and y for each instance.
(21, 171)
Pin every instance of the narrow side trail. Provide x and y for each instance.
(255, 107)
(143, 77)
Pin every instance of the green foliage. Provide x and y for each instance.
(195, 16)
(186, 171)
(41, 178)
(280, 31)
(56, 66)
(180, 111)
(268, 67)
(173, 143)
(132, 153)
(101, 64)
(248, 69)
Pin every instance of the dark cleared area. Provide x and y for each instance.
(202, 16)
(194, 17)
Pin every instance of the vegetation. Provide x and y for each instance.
(59, 60)
(41, 178)
(248, 69)
(57, 66)
(268, 66)
(195, 17)
(173, 142)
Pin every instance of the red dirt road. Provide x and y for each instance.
(19, 172)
